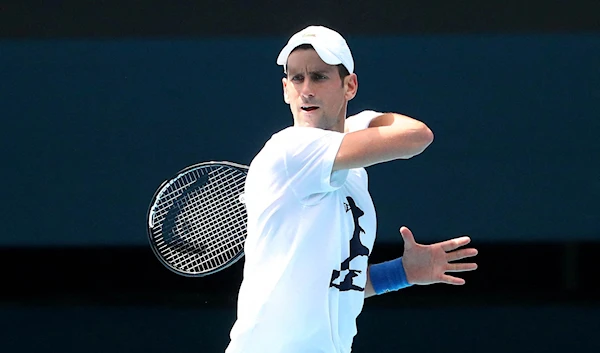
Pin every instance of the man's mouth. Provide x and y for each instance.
(308, 108)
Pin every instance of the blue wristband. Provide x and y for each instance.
(388, 276)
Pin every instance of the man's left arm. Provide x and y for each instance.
(369, 291)
(420, 264)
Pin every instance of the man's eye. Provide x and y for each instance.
(319, 77)
(297, 78)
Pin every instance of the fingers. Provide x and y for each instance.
(455, 243)
(461, 267)
(461, 254)
(408, 237)
(452, 280)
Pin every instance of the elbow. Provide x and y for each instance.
(422, 138)
(427, 136)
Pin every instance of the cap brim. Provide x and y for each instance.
(325, 55)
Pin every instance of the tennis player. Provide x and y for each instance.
(311, 220)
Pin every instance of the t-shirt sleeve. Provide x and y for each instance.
(309, 154)
(361, 120)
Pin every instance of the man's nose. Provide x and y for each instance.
(307, 89)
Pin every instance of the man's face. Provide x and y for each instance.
(315, 92)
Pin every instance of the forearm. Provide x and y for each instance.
(369, 291)
(399, 121)
(409, 136)
(386, 277)
(402, 139)
(372, 119)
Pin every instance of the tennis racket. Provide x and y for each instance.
(197, 219)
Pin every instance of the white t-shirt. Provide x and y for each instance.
(310, 233)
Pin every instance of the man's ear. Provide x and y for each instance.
(284, 81)
(351, 86)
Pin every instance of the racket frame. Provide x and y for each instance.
(149, 224)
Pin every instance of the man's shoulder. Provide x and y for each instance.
(299, 132)
(290, 140)
(291, 136)
(271, 150)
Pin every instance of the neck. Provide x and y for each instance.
(337, 126)
(332, 124)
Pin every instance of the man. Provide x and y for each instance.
(311, 220)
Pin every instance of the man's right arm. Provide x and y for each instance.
(389, 136)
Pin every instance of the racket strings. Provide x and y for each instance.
(216, 218)
(211, 220)
(220, 254)
(217, 213)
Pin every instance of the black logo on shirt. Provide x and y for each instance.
(356, 249)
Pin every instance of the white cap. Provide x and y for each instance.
(329, 44)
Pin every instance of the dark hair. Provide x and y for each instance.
(342, 70)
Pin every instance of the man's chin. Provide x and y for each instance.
(313, 118)
(312, 115)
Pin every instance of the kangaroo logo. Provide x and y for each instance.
(356, 249)
(172, 227)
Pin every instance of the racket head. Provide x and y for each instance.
(197, 219)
